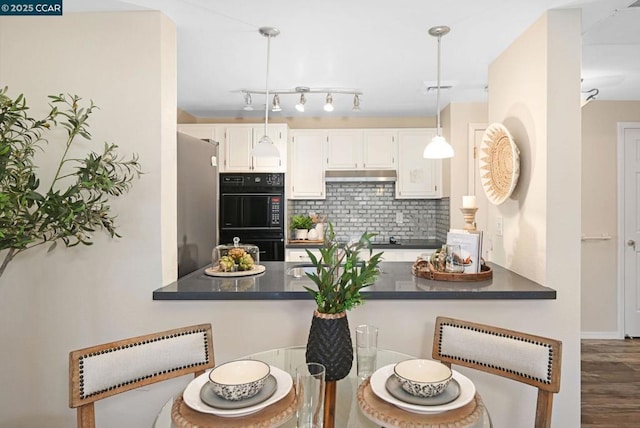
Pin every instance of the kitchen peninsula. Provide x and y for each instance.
(286, 281)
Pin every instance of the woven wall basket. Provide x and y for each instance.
(499, 163)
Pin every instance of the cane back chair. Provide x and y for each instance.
(529, 359)
(105, 370)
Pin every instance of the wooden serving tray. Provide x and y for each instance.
(387, 415)
(485, 274)
(274, 415)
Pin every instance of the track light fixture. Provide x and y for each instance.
(304, 92)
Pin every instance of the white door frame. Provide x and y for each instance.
(622, 126)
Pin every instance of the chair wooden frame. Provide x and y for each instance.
(170, 366)
(549, 349)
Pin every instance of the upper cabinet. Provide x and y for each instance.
(344, 149)
(239, 141)
(361, 149)
(418, 178)
(305, 175)
(203, 131)
(379, 149)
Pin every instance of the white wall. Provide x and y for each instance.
(534, 92)
(53, 303)
(71, 298)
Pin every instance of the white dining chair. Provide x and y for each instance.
(105, 370)
(533, 360)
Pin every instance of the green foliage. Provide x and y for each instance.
(341, 274)
(301, 221)
(76, 203)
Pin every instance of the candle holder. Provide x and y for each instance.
(469, 218)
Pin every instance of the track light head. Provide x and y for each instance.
(329, 103)
(356, 103)
(300, 105)
(248, 102)
(276, 103)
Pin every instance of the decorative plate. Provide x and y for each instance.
(450, 393)
(378, 381)
(209, 397)
(191, 395)
(499, 163)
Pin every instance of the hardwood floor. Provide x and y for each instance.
(610, 383)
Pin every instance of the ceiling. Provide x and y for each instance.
(377, 47)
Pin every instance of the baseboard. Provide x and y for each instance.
(600, 335)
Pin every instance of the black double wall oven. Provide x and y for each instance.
(252, 208)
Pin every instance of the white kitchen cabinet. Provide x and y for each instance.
(306, 164)
(418, 178)
(361, 149)
(344, 149)
(239, 141)
(203, 131)
(300, 254)
(379, 148)
(407, 255)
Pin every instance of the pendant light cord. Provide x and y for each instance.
(438, 92)
(266, 100)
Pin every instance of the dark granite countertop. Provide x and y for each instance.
(394, 283)
(403, 244)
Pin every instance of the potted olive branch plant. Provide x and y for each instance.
(340, 275)
(75, 204)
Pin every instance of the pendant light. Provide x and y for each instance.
(438, 148)
(265, 147)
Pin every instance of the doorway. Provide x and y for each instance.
(629, 227)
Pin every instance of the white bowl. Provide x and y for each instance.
(237, 380)
(422, 378)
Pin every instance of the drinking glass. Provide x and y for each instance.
(366, 350)
(310, 384)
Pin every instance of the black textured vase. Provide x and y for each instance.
(330, 344)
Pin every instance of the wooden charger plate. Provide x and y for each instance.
(274, 415)
(387, 415)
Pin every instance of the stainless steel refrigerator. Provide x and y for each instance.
(197, 191)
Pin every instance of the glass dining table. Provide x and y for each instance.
(347, 411)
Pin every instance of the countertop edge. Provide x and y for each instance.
(396, 283)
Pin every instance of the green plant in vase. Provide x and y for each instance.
(301, 224)
(339, 276)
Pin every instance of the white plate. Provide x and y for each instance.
(213, 271)
(379, 379)
(191, 395)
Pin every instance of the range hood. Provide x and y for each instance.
(360, 175)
